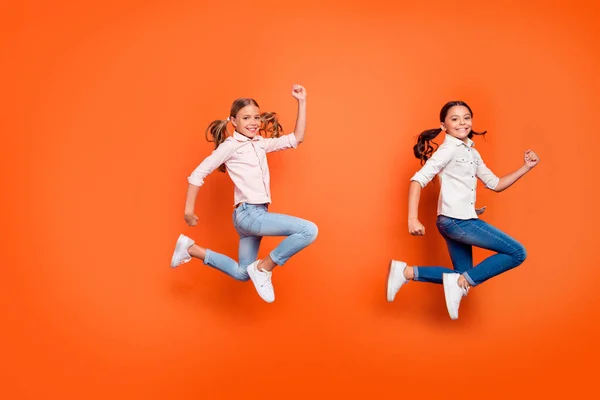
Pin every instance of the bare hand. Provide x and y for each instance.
(416, 228)
(191, 219)
(480, 211)
(531, 159)
(298, 92)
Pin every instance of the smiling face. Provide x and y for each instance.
(245, 117)
(247, 121)
(458, 122)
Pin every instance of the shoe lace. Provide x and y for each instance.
(267, 281)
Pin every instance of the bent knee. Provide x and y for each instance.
(520, 255)
(242, 274)
(311, 231)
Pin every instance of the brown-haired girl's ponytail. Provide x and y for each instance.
(270, 126)
(218, 131)
(423, 149)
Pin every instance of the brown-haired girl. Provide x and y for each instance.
(458, 166)
(244, 156)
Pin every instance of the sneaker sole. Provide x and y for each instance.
(445, 278)
(391, 274)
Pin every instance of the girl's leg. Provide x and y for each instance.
(400, 273)
(460, 253)
(248, 250)
(185, 249)
(475, 232)
(510, 253)
(254, 220)
(300, 233)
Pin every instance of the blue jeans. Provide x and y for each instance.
(252, 222)
(461, 235)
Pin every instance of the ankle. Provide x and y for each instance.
(196, 251)
(265, 265)
(463, 283)
(409, 273)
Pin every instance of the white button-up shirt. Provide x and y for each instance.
(246, 162)
(458, 165)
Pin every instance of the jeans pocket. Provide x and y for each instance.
(450, 228)
(443, 221)
(239, 215)
(248, 221)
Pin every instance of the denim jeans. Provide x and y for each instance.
(252, 222)
(461, 235)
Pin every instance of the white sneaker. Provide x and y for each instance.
(262, 282)
(181, 255)
(453, 293)
(395, 279)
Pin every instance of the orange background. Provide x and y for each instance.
(104, 106)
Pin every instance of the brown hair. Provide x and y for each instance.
(217, 130)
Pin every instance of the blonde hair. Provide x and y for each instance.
(217, 130)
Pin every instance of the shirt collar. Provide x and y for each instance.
(459, 142)
(241, 138)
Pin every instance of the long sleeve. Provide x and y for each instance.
(440, 158)
(489, 179)
(288, 141)
(220, 155)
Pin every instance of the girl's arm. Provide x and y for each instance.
(531, 160)
(190, 204)
(432, 167)
(299, 94)
(415, 227)
(219, 156)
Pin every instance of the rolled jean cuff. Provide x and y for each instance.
(468, 278)
(207, 257)
(275, 259)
